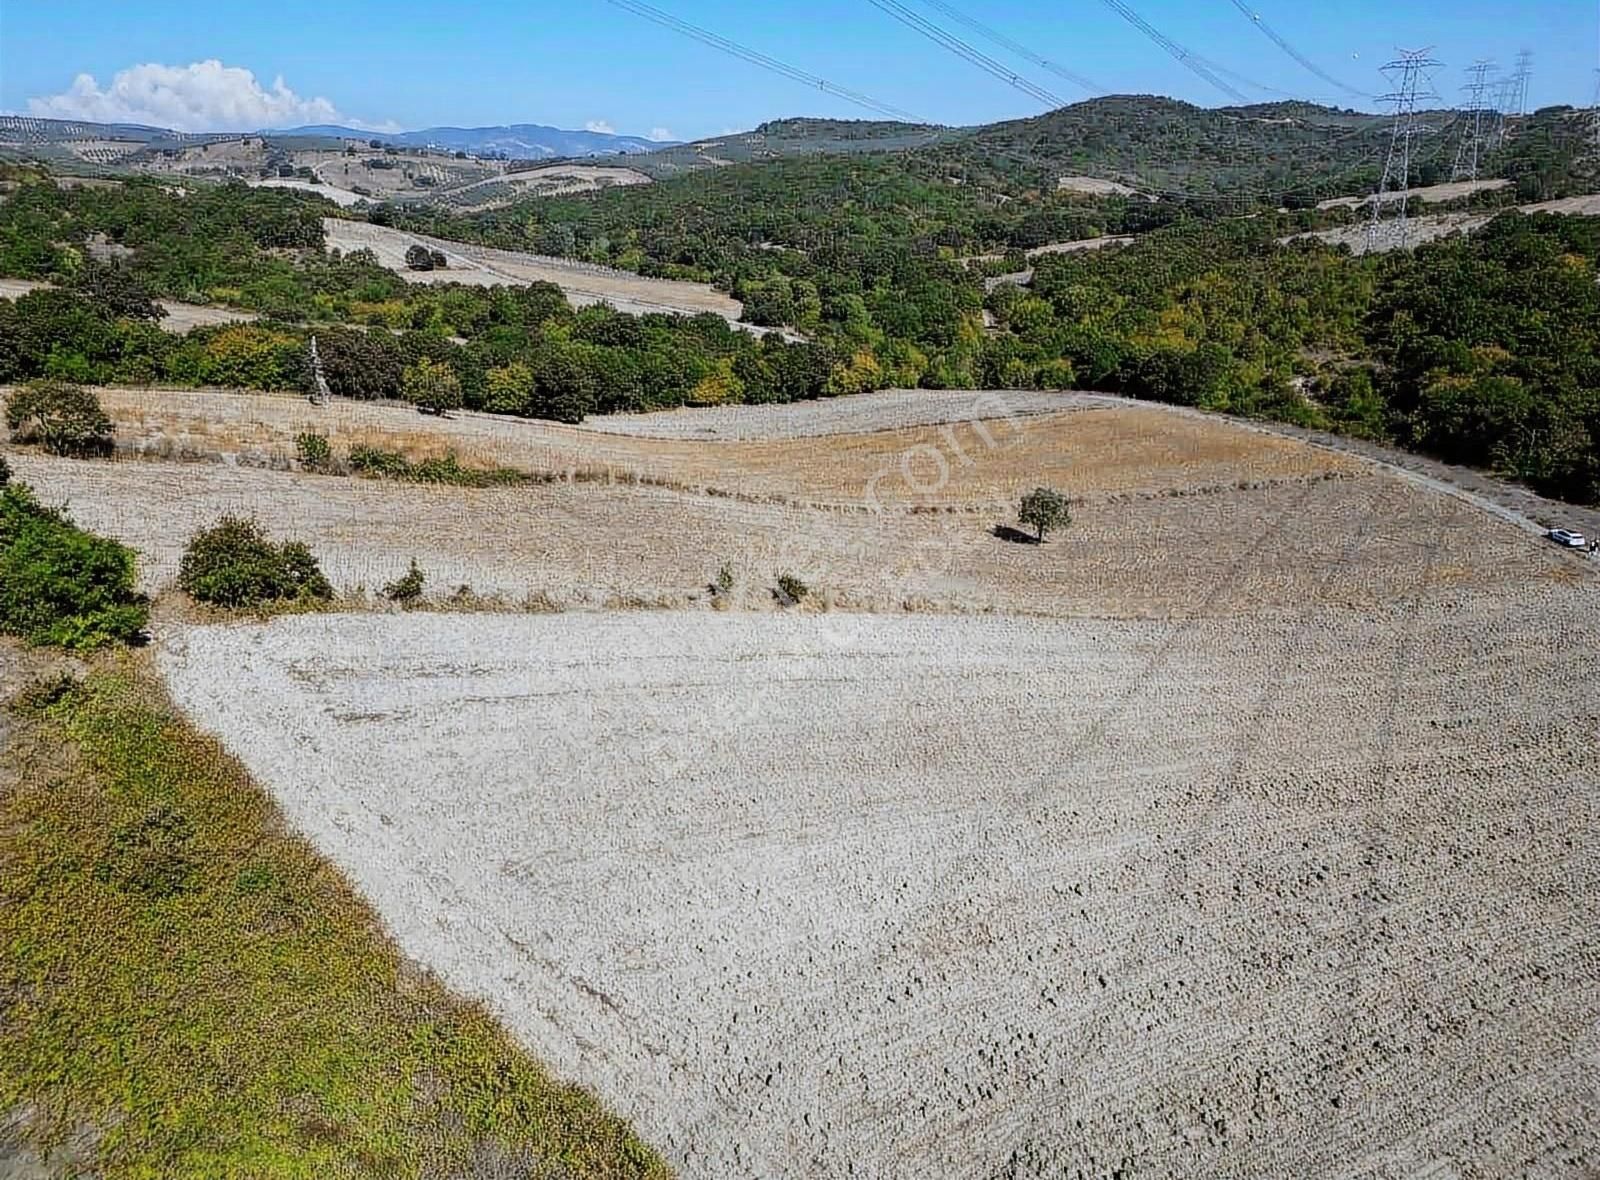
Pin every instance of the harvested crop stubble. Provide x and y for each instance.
(897, 895)
(1090, 448)
(583, 544)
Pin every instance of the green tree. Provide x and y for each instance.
(508, 389)
(1045, 509)
(65, 419)
(432, 387)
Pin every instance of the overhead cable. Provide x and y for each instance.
(962, 49)
(1016, 47)
(1184, 56)
(1273, 35)
(755, 57)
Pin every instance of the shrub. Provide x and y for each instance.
(1044, 509)
(408, 587)
(313, 450)
(234, 564)
(5, 472)
(724, 583)
(65, 419)
(60, 585)
(419, 257)
(432, 387)
(791, 590)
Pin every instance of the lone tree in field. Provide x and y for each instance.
(419, 257)
(432, 387)
(1044, 509)
(63, 418)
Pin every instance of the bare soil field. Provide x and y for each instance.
(484, 266)
(1092, 446)
(827, 895)
(344, 198)
(1246, 828)
(550, 181)
(592, 544)
(1443, 225)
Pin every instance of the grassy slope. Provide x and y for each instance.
(195, 991)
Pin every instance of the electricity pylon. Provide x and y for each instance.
(1472, 123)
(1411, 74)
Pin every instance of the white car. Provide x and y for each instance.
(1568, 538)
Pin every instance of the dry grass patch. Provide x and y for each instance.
(1091, 452)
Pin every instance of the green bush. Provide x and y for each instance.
(60, 585)
(791, 590)
(235, 564)
(407, 588)
(63, 418)
(313, 449)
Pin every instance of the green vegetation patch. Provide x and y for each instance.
(60, 585)
(191, 991)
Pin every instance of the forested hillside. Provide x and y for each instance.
(1481, 350)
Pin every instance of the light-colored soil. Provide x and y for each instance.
(484, 266)
(592, 543)
(341, 197)
(1434, 194)
(830, 895)
(889, 409)
(551, 181)
(1094, 186)
(180, 317)
(1089, 446)
(1249, 827)
(1442, 225)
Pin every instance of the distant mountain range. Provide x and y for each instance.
(517, 141)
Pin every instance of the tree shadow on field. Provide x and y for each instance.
(1016, 536)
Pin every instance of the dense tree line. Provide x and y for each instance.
(1479, 349)
(1483, 350)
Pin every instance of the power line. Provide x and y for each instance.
(1015, 47)
(962, 49)
(1273, 35)
(756, 58)
(1184, 56)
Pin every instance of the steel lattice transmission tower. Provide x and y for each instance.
(1511, 96)
(1472, 141)
(1411, 75)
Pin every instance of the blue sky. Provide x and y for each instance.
(585, 62)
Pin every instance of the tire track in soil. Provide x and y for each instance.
(1093, 736)
(1178, 860)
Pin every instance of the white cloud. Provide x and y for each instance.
(660, 135)
(599, 127)
(201, 96)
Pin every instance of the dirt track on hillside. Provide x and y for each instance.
(483, 266)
